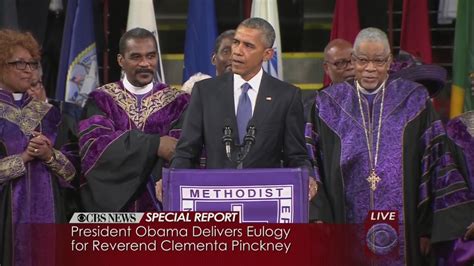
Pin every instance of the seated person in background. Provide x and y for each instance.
(221, 58)
(337, 61)
(36, 90)
(337, 66)
(222, 55)
(70, 115)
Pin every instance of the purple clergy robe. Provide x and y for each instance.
(28, 191)
(419, 177)
(119, 141)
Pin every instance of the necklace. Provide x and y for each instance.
(373, 178)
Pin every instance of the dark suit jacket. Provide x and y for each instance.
(278, 119)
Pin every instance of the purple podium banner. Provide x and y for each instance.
(277, 195)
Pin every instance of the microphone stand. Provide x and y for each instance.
(228, 141)
(249, 141)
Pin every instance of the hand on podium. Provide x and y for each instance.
(167, 147)
(313, 188)
(159, 190)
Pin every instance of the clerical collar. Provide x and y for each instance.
(17, 96)
(366, 92)
(137, 90)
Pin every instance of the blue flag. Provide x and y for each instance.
(78, 70)
(201, 34)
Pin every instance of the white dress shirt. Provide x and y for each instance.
(253, 92)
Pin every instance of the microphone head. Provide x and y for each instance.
(227, 129)
(227, 122)
(251, 129)
(249, 137)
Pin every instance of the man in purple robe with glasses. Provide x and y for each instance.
(380, 146)
(130, 129)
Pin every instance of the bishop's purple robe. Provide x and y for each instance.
(420, 179)
(119, 141)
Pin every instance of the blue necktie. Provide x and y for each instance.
(244, 111)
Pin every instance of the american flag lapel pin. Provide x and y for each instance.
(268, 98)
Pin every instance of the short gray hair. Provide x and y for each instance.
(371, 35)
(264, 26)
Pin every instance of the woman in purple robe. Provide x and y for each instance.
(31, 170)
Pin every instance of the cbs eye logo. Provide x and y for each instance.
(81, 217)
(382, 238)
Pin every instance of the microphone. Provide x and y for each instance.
(249, 138)
(227, 138)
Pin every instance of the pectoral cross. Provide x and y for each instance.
(373, 179)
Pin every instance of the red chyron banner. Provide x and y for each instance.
(188, 238)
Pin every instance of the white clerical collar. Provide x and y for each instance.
(366, 92)
(17, 96)
(254, 81)
(137, 90)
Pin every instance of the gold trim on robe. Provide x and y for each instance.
(11, 167)
(27, 118)
(61, 166)
(150, 103)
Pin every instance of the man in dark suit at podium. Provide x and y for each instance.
(248, 97)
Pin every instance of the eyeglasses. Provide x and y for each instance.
(378, 62)
(340, 64)
(21, 65)
(36, 83)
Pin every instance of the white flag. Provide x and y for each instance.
(268, 10)
(141, 14)
(447, 11)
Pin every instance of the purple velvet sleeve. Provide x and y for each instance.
(459, 133)
(460, 251)
(71, 152)
(95, 135)
(444, 186)
(441, 171)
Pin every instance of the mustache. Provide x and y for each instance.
(144, 70)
